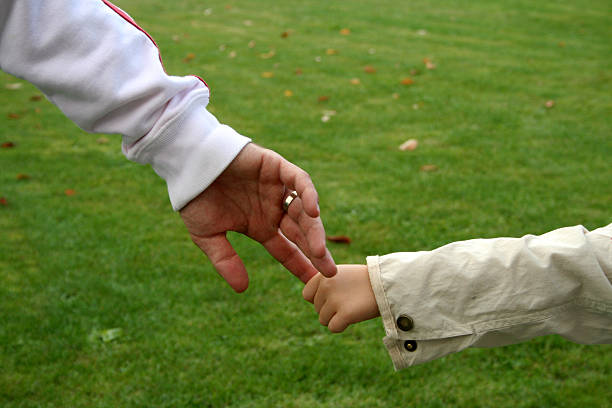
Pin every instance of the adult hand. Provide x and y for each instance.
(247, 197)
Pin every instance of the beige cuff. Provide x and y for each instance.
(391, 341)
(394, 341)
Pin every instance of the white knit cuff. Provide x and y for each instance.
(190, 152)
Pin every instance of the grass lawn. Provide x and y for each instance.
(105, 302)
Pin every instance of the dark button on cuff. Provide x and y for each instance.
(404, 323)
(410, 345)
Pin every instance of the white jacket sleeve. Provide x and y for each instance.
(105, 73)
(494, 292)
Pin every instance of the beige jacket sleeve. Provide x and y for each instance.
(495, 292)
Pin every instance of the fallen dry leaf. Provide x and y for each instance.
(561, 44)
(189, 57)
(345, 31)
(285, 34)
(298, 71)
(288, 93)
(327, 114)
(549, 104)
(69, 192)
(428, 63)
(341, 239)
(331, 51)
(395, 96)
(368, 69)
(267, 74)
(7, 145)
(13, 116)
(102, 140)
(407, 81)
(355, 81)
(268, 55)
(228, 6)
(248, 23)
(251, 44)
(323, 98)
(429, 167)
(3, 201)
(22, 176)
(232, 54)
(14, 86)
(35, 98)
(410, 144)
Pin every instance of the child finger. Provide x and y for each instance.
(337, 324)
(326, 313)
(311, 288)
(320, 298)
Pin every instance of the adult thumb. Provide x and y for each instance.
(225, 260)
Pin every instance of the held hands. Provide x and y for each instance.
(344, 299)
(247, 197)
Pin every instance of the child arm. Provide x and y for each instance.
(477, 293)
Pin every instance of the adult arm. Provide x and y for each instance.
(494, 292)
(105, 73)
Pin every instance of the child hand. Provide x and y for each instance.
(343, 299)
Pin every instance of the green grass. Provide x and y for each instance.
(113, 255)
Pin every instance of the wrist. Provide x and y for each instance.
(189, 152)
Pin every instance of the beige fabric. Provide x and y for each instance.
(494, 292)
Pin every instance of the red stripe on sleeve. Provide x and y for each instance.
(130, 20)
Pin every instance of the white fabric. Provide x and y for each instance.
(494, 292)
(105, 74)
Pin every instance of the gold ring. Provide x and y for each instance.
(288, 200)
